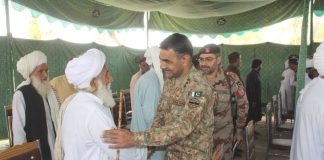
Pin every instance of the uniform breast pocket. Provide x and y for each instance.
(223, 98)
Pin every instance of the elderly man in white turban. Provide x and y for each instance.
(86, 114)
(308, 135)
(34, 105)
(147, 94)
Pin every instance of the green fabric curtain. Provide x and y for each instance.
(6, 85)
(121, 64)
(119, 59)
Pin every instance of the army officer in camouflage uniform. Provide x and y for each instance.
(224, 85)
(184, 120)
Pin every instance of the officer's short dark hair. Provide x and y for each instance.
(256, 63)
(233, 57)
(179, 43)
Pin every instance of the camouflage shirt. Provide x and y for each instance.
(184, 120)
(223, 132)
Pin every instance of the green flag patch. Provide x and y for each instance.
(197, 94)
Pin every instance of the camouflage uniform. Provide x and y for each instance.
(184, 120)
(223, 133)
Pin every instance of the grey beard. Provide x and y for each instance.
(105, 94)
(42, 86)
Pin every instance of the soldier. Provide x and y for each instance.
(184, 120)
(224, 84)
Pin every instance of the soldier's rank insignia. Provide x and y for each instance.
(194, 102)
(197, 94)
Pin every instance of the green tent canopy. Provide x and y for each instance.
(200, 17)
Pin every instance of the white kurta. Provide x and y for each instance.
(19, 121)
(83, 123)
(307, 79)
(287, 90)
(308, 137)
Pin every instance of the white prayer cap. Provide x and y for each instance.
(309, 63)
(81, 70)
(27, 64)
(319, 59)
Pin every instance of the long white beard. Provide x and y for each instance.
(105, 94)
(42, 86)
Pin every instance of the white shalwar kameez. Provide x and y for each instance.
(308, 135)
(287, 90)
(83, 124)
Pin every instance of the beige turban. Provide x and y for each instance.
(319, 59)
(81, 70)
(152, 56)
(27, 64)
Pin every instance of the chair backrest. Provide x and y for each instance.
(24, 151)
(269, 123)
(249, 141)
(8, 114)
(279, 108)
(275, 110)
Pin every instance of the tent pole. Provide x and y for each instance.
(146, 27)
(311, 30)
(302, 53)
(9, 45)
(7, 17)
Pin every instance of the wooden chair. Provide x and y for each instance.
(26, 151)
(274, 142)
(8, 114)
(249, 141)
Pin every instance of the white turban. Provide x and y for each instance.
(152, 56)
(81, 70)
(27, 64)
(319, 59)
(309, 63)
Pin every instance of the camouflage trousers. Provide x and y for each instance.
(222, 149)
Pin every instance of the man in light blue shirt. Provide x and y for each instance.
(147, 94)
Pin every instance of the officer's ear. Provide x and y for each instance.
(186, 59)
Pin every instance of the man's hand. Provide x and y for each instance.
(239, 136)
(118, 138)
(150, 151)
